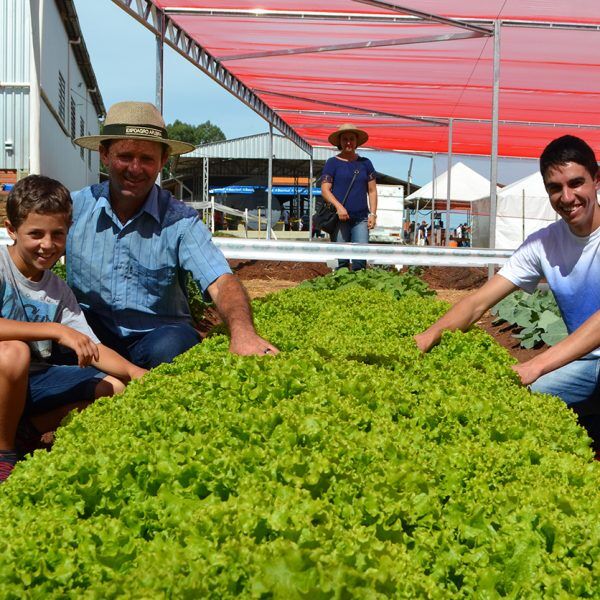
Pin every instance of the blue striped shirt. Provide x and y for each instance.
(133, 276)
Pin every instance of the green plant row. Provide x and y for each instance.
(348, 466)
(536, 314)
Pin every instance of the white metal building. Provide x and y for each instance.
(48, 93)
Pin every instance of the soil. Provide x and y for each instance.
(450, 283)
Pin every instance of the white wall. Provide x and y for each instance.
(60, 156)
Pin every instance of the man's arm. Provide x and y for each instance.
(582, 341)
(463, 314)
(233, 305)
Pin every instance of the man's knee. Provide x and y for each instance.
(164, 344)
(14, 359)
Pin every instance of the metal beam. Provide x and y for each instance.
(427, 16)
(407, 19)
(386, 254)
(147, 14)
(357, 108)
(354, 45)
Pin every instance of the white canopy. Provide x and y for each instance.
(466, 186)
(522, 208)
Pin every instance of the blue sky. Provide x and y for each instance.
(123, 54)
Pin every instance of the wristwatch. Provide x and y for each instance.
(373, 214)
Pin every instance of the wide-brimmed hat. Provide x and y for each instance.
(134, 121)
(361, 135)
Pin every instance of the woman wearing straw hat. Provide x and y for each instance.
(348, 182)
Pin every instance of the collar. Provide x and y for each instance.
(101, 193)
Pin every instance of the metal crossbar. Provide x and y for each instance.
(384, 254)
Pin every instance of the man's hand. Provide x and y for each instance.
(424, 342)
(251, 343)
(528, 371)
(81, 344)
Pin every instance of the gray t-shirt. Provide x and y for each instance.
(49, 300)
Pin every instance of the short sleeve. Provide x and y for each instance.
(328, 172)
(72, 316)
(199, 255)
(371, 173)
(524, 267)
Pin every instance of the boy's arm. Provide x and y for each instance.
(463, 314)
(582, 341)
(25, 331)
(114, 364)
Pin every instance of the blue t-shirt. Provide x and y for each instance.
(339, 173)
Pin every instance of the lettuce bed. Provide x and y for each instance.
(349, 466)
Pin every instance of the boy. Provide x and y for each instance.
(566, 254)
(36, 309)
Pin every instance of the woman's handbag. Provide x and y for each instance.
(325, 217)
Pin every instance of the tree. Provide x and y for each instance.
(199, 134)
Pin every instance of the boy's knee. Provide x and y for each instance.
(109, 386)
(14, 359)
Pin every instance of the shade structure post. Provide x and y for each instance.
(494, 150)
(311, 199)
(433, 192)
(160, 44)
(449, 182)
(270, 183)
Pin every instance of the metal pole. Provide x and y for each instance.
(494, 154)
(160, 40)
(449, 182)
(311, 200)
(433, 192)
(523, 219)
(34, 88)
(270, 183)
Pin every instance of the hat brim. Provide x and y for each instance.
(361, 136)
(92, 142)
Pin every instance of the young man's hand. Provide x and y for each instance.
(81, 344)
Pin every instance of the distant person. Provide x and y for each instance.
(39, 315)
(406, 231)
(285, 215)
(422, 237)
(565, 253)
(348, 182)
(132, 246)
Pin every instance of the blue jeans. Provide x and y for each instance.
(572, 383)
(161, 345)
(59, 385)
(355, 231)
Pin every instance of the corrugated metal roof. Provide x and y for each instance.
(257, 146)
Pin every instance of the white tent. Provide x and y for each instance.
(466, 186)
(522, 208)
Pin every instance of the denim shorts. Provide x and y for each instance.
(59, 385)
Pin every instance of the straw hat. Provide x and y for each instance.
(134, 121)
(361, 135)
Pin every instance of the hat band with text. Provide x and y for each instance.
(142, 130)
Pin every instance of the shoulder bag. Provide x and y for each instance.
(325, 217)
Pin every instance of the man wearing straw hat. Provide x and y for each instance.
(132, 246)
